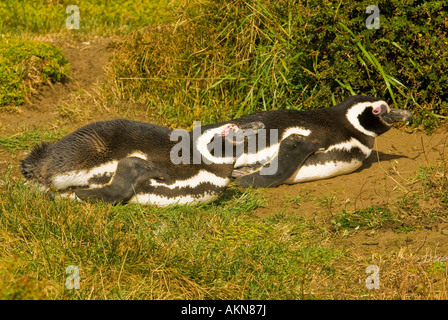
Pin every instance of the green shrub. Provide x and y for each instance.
(25, 65)
(228, 58)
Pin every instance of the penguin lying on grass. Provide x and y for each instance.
(122, 161)
(315, 144)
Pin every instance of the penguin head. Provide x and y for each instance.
(237, 134)
(373, 116)
(222, 140)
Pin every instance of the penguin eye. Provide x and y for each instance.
(376, 111)
(227, 129)
(383, 108)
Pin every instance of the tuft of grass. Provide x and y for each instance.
(435, 177)
(390, 81)
(26, 139)
(25, 65)
(371, 217)
(215, 69)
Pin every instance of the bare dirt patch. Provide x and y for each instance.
(386, 177)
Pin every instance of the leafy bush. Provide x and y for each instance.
(24, 65)
(228, 58)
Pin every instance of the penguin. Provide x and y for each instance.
(122, 161)
(315, 144)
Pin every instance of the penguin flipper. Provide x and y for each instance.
(293, 152)
(130, 173)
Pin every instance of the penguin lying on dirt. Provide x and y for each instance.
(121, 161)
(315, 144)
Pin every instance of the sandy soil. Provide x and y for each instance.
(386, 177)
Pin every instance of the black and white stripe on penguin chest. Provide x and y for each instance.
(316, 144)
(336, 158)
(121, 161)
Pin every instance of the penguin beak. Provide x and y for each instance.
(396, 115)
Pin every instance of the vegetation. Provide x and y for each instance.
(211, 61)
(25, 65)
(154, 253)
(217, 251)
(27, 139)
(223, 59)
(27, 17)
(228, 58)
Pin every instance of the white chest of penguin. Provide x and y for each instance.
(319, 166)
(323, 171)
(338, 159)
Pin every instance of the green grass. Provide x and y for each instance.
(222, 59)
(27, 17)
(27, 139)
(25, 65)
(371, 217)
(390, 81)
(218, 251)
